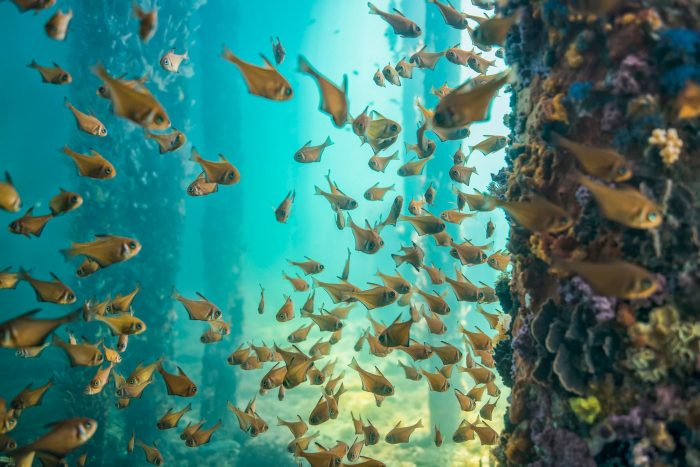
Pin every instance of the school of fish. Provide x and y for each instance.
(601, 170)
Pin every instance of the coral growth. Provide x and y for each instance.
(600, 380)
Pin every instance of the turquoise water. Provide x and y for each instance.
(225, 244)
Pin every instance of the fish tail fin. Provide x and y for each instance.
(230, 56)
(419, 423)
(23, 275)
(194, 156)
(353, 364)
(328, 142)
(33, 64)
(101, 72)
(304, 65)
(398, 259)
(68, 253)
(373, 10)
(174, 294)
(317, 190)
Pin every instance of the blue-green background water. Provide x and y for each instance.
(224, 245)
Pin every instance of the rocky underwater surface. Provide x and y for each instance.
(598, 380)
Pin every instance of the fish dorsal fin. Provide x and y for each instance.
(308, 143)
(202, 297)
(345, 84)
(180, 372)
(379, 371)
(55, 277)
(222, 158)
(398, 12)
(29, 212)
(267, 62)
(8, 178)
(376, 114)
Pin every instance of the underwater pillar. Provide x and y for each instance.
(598, 380)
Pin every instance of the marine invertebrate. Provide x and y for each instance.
(670, 143)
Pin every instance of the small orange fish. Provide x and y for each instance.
(397, 334)
(401, 25)
(437, 382)
(299, 284)
(171, 419)
(177, 384)
(391, 75)
(168, 142)
(367, 240)
(613, 279)
(404, 68)
(425, 225)
(451, 15)
(604, 163)
(284, 210)
(153, 455)
(624, 205)
(148, 22)
(464, 106)
(378, 78)
(414, 167)
(374, 383)
(30, 397)
(200, 310)
(92, 166)
(84, 354)
(87, 123)
(65, 202)
(49, 291)
(222, 171)
(264, 81)
(52, 75)
(8, 280)
(423, 59)
(309, 266)
(538, 214)
(399, 434)
(493, 31)
(376, 193)
(499, 260)
(134, 103)
(105, 250)
(9, 198)
(201, 187)
(286, 311)
(334, 100)
(412, 255)
(29, 224)
(57, 26)
(307, 153)
(64, 437)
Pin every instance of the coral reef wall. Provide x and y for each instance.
(600, 380)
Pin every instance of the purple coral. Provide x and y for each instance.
(604, 307)
(630, 425)
(612, 117)
(633, 70)
(558, 446)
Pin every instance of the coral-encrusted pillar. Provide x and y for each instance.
(602, 380)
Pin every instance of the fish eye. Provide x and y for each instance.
(108, 170)
(88, 424)
(166, 62)
(157, 461)
(622, 171)
(102, 90)
(647, 283)
(394, 127)
(288, 91)
(392, 294)
(132, 245)
(139, 326)
(73, 199)
(71, 296)
(99, 357)
(95, 383)
(193, 389)
(371, 245)
(440, 118)
(563, 220)
(652, 216)
(108, 308)
(159, 119)
(13, 225)
(64, 77)
(231, 176)
(103, 131)
(480, 295)
(217, 313)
